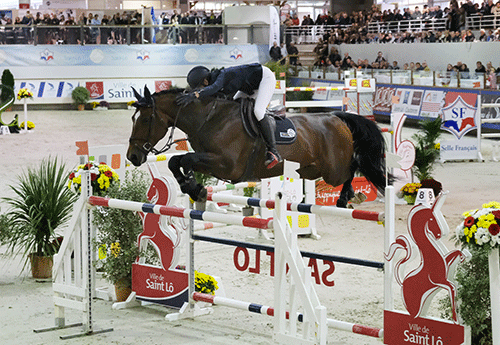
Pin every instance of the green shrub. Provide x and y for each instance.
(473, 296)
(80, 95)
(7, 90)
(426, 148)
(117, 230)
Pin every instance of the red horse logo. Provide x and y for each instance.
(160, 230)
(426, 227)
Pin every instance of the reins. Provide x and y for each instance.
(147, 146)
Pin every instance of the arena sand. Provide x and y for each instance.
(357, 295)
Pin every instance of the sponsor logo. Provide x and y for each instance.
(236, 54)
(143, 55)
(161, 85)
(459, 118)
(96, 89)
(46, 55)
(290, 133)
(365, 83)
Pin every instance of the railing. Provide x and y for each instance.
(134, 34)
(414, 25)
(464, 80)
(476, 22)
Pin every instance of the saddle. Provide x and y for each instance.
(284, 129)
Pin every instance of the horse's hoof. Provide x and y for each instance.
(358, 198)
(202, 194)
(341, 203)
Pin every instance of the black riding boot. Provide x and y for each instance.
(266, 129)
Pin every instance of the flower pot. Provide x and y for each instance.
(247, 211)
(410, 199)
(122, 290)
(41, 266)
(81, 107)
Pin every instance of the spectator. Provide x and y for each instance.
(469, 36)
(406, 67)
(284, 53)
(293, 54)
(379, 57)
(346, 61)
(480, 67)
(334, 55)
(418, 67)
(464, 71)
(492, 79)
(275, 52)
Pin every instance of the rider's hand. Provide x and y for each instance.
(185, 99)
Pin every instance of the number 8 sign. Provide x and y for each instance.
(425, 196)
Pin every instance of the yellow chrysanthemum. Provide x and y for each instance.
(115, 249)
(492, 204)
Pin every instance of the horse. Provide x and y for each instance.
(329, 145)
(437, 267)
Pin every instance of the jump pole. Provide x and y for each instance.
(181, 212)
(266, 310)
(300, 207)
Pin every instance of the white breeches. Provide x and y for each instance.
(263, 94)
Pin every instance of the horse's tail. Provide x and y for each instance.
(369, 148)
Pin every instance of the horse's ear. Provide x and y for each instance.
(147, 94)
(136, 94)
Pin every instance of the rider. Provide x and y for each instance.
(252, 80)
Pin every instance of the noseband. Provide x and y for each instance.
(147, 147)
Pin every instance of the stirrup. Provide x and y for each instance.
(272, 163)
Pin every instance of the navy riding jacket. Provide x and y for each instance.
(229, 80)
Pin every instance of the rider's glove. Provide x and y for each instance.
(185, 99)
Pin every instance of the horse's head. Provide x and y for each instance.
(147, 128)
(430, 220)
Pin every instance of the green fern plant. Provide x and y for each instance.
(426, 148)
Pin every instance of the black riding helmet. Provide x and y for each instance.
(196, 76)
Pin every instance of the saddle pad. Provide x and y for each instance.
(285, 132)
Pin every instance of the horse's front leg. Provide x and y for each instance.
(185, 178)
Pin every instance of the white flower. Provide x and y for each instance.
(459, 231)
(482, 236)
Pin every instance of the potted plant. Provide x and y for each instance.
(41, 204)
(102, 177)
(117, 232)
(409, 192)
(426, 148)
(7, 90)
(248, 192)
(202, 179)
(80, 96)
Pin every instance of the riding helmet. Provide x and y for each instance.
(196, 76)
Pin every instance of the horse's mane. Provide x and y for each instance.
(169, 91)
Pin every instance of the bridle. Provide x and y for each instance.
(147, 147)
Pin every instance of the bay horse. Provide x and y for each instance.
(329, 145)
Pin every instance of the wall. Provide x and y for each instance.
(437, 55)
(52, 71)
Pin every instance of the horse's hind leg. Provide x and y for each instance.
(346, 194)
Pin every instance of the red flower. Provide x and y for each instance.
(494, 229)
(108, 173)
(72, 176)
(469, 221)
(496, 213)
(88, 166)
(93, 177)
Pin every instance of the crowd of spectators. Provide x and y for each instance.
(64, 28)
(332, 61)
(394, 26)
